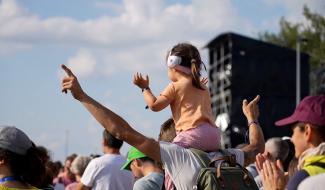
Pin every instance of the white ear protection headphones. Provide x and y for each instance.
(173, 60)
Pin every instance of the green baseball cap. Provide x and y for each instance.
(132, 155)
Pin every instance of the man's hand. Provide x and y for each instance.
(251, 110)
(140, 81)
(70, 82)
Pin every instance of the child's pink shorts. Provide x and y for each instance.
(205, 137)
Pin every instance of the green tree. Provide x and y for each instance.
(313, 29)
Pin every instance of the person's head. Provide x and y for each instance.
(308, 123)
(58, 167)
(79, 165)
(68, 161)
(291, 153)
(44, 153)
(167, 131)
(276, 149)
(136, 162)
(185, 58)
(51, 172)
(20, 157)
(110, 141)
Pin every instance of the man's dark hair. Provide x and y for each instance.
(111, 141)
(167, 131)
(71, 157)
(147, 159)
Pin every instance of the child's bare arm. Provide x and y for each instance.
(154, 103)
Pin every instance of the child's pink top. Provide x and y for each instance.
(190, 106)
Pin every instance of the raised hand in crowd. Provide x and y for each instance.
(70, 82)
(251, 109)
(204, 80)
(140, 81)
(256, 138)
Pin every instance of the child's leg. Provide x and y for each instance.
(205, 137)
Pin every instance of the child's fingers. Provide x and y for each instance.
(134, 76)
(138, 77)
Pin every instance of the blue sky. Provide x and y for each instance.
(105, 42)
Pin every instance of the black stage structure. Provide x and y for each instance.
(241, 67)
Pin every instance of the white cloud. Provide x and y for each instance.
(135, 39)
(83, 63)
(139, 22)
(10, 9)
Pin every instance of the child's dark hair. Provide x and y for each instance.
(191, 59)
(30, 168)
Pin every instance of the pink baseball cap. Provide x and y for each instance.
(310, 110)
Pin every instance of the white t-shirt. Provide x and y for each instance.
(182, 165)
(105, 173)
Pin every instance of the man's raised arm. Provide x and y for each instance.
(256, 138)
(112, 122)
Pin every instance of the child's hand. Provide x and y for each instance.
(140, 81)
(204, 80)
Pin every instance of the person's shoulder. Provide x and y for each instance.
(107, 158)
(94, 163)
(312, 182)
(141, 184)
(296, 179)
(118, 158)
(167, 148)
(169, 145)
(152, 181)
(155, 175)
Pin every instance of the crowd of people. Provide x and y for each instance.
(169, 163)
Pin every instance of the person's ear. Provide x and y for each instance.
(308, 132)
(268, 155)
(2, 161)
(138, 162)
